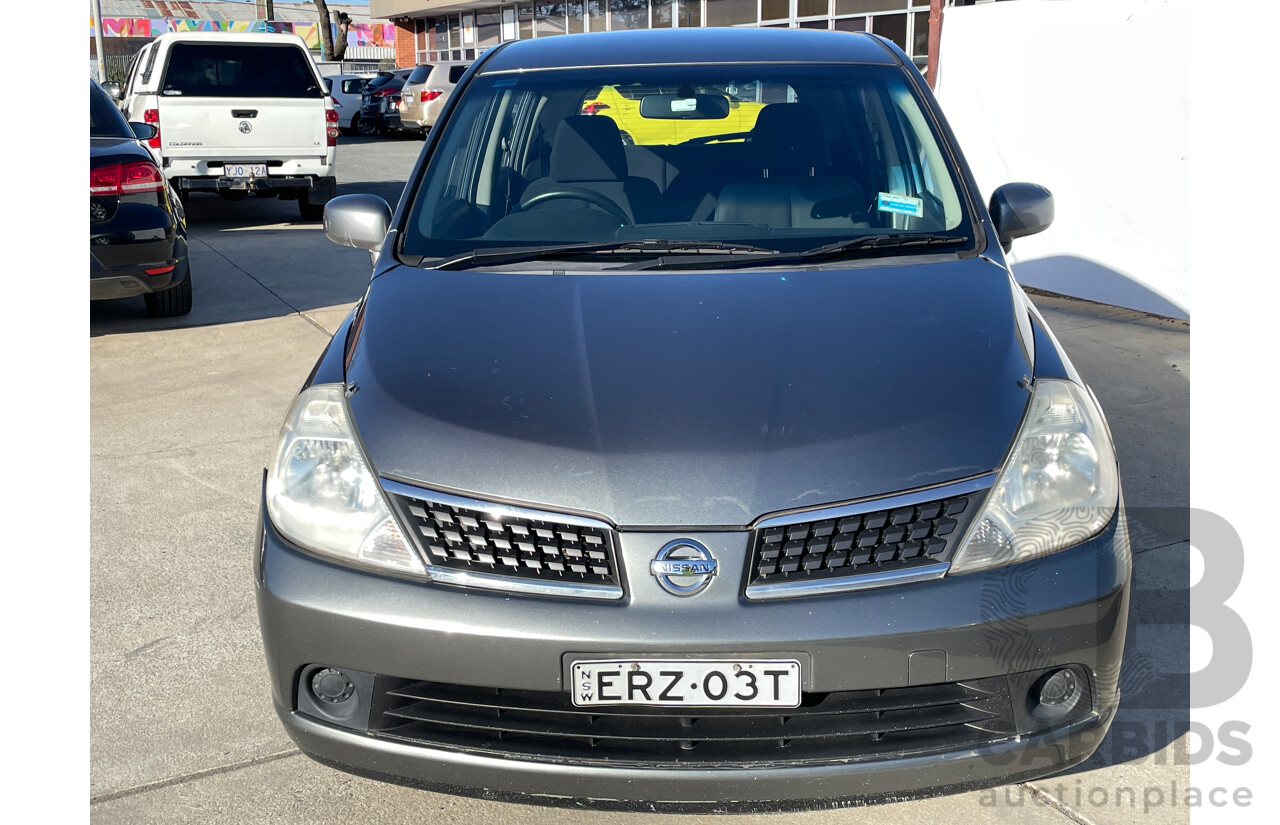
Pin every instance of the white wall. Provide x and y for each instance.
(1090, 99)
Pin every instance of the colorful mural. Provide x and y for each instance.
(359, 34)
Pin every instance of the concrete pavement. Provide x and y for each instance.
(184, 414)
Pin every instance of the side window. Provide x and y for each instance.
(352, 87)
(150, 63)
(130, 75)
(456, 73)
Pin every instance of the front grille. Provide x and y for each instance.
(827, 727)
(474, 539)
(880, 541)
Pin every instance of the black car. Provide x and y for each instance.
(137, 227)
(380, 103)
(729, 470)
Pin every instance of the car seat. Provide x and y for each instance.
(587, 154)
(793, 185)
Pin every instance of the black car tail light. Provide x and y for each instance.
(125, 179)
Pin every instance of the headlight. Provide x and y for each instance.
(1059, 486)
(321, 493)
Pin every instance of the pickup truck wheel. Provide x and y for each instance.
(171, 302)
(310, 211)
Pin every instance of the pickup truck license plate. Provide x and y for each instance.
(244, 170)
(687, 682)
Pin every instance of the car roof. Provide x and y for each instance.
(656, 47)
(278, 38)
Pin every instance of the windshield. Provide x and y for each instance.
(779, 157)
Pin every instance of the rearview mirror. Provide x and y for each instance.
(1020, 209)
(112, 89)
(361, 221)
(144, 131)
(679, 107)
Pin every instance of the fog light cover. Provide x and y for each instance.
(332, 686)
(1055, 695)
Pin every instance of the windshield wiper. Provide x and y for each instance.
(511, 255)
(867, 244)
(874, 243)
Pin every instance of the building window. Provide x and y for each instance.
(488, 28)
(892, 26)
(690, 14)
(662, 14)
(730, 12)
(864, 6)
(775, 9)
(597, 15)
(812, 8)
(628, 14)
(548, 19)
(920, 37)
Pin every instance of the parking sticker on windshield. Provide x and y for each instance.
(901, 204)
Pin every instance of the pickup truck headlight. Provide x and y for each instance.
(1058, 487)
(321, 494)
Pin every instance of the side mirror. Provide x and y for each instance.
(1020, 209)
(144, 131)
(361, 221)
(112, 89)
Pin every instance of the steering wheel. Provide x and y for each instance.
(574, 193)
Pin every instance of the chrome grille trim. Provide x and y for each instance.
(400, 488)
(871, 505)
(509, 583)
(865, 581)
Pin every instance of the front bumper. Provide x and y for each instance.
(1070, 607)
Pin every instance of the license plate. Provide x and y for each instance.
(687, 682)
(244, 170)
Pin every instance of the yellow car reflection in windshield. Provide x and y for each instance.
(624, 108)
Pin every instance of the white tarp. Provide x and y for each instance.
(1090, 99)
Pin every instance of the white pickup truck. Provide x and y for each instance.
(237, 113)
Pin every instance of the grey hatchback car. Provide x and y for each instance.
(725, 468)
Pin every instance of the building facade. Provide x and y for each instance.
(430, 30)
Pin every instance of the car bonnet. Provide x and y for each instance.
(679, 399)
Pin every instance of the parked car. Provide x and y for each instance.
(380, 103)
(425, 92)
(237, 114)
(137, 228)
(622, 105)
(345, 90)
(720, 474)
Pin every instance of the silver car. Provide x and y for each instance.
(717, 470)
(425, 93)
